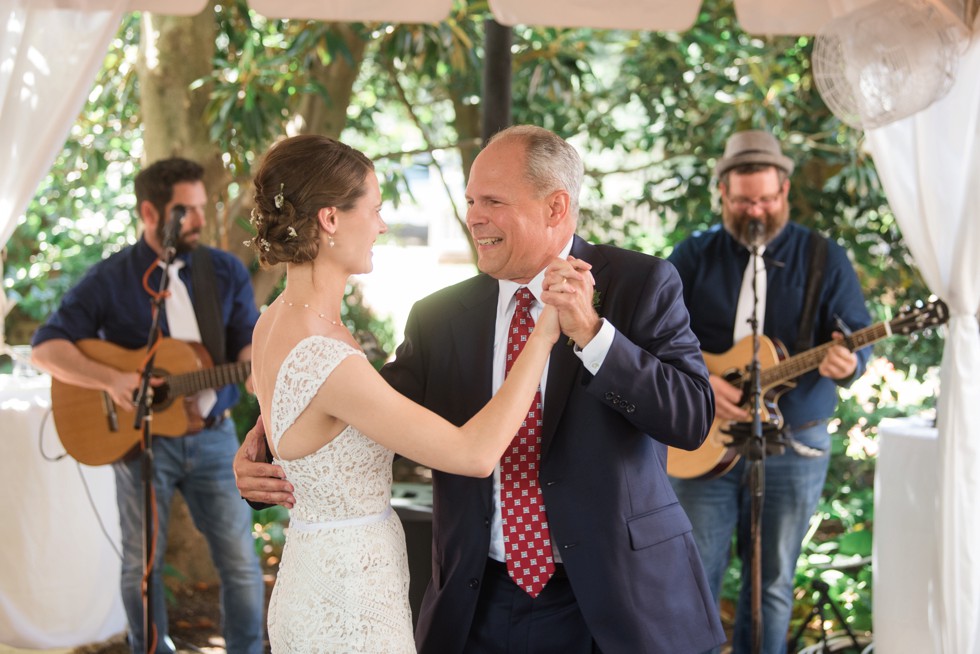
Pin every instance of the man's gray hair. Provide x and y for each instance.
(552, 163)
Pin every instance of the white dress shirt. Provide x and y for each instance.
(592, 357)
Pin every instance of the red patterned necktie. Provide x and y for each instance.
(527, 539)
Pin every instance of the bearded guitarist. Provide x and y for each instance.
(715, 267)
(210, 301)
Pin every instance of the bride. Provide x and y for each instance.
(333, 423)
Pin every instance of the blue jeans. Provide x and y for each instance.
(199, 466)
(720, 507)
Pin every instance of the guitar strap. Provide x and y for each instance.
(817, 250)
(207, 306)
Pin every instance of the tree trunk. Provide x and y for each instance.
(329, 116)
(174, 52)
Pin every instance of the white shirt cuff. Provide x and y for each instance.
(593, 354)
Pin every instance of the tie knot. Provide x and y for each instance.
(524, 299)
(175, 265)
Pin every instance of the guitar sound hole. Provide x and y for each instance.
(161, 395)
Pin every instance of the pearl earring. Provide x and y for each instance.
(330, 241)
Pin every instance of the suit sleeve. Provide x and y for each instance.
(405, 373)
(654, 374)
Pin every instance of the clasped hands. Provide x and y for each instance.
(568, 287)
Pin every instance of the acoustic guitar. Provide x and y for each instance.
(95, 431)
(777, 374)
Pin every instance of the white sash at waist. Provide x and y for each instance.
(305, 526)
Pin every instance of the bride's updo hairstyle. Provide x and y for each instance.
(299, 176)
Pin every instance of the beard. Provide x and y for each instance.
(184, 244)
(737, 223)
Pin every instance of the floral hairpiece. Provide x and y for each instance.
(261, 242)
(291, 233)
(255, 218)
(278, 197)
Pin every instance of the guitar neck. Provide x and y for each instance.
(189, 383)
(798, 364)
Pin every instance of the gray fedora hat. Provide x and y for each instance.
(753, 146)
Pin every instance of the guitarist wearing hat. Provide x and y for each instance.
(93, 346)
(715, 267)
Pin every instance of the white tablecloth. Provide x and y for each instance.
(59, 573)
(905, 558)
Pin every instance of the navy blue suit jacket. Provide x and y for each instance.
(624, 539)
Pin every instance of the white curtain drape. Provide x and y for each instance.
(50, 52)
(48, 59)
(929, 165)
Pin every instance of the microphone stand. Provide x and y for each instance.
(755, 450)
(752, 440)
(144, 417)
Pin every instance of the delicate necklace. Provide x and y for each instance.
(306, 306)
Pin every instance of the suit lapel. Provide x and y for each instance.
(473, 333)
(565, 367)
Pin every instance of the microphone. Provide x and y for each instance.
(756, 232)
(171, 231)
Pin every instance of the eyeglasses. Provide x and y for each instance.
(766, 202)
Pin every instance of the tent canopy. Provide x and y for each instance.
(755, 16)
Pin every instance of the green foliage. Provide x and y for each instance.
(262, 70)
(270, 530)
(254, 78)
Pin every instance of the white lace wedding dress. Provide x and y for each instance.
(342, 584)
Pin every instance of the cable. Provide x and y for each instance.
(85, 484)
(95, 510)
(40, 440)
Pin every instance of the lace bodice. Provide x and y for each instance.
(342, 584)
(349, 476)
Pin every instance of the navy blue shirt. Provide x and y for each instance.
(110, 303)
(711, 265)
